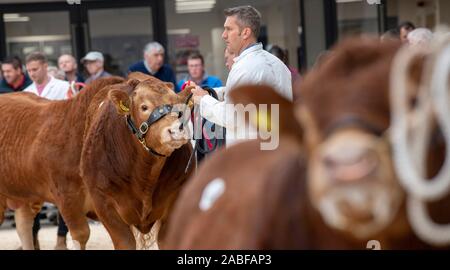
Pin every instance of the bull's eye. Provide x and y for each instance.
(144, 108)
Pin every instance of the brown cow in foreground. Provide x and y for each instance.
(128, 185)
(42, 145)
(334, 188)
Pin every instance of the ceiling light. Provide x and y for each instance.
(194, 6)
(15, 17)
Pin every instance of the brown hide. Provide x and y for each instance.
(41, 144)
(264, 206)
(353, 82)
(261, 207)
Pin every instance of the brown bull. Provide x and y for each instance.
(134, 183)
(346, 192)
(41, 148)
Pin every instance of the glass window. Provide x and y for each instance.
(120, 34)
(48, 32)
(199, 26)
(356, 17)
(426, 13)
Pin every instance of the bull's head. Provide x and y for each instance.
(156, 111)
(345, 114)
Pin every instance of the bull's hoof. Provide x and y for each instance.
(35, 243)
(61, 243)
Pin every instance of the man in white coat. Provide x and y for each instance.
(253, 65)
(43, 84)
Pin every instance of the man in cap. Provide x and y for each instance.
(94, 64)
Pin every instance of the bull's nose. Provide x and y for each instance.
(177, 132)
(351, 164)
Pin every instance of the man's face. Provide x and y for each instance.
(232, 34)
(93, 67)
(154, 59)
(10, 74)
(67, 63)
(195, 68)
(37, 71)
(404, 34)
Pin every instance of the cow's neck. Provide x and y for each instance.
(148, 186)
(147, 169)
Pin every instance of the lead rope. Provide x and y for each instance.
(410, 133)
(197, 146)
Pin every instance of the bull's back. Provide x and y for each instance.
(23, 116)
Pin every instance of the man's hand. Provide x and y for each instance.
(198, 93)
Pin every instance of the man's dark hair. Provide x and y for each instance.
(196, 55)
(406, 25)
(14, 61)
(247, 16)
(36, 56)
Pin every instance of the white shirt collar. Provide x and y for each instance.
(252, 48)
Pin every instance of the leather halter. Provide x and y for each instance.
(156, 115)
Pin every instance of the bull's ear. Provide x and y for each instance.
(265, 95)
(121, 101)
(185, 94)
(133, 83)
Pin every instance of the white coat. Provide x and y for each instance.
(54, 90)
(253, 66)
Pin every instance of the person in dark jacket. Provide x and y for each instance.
(14, 79)
(153, 64)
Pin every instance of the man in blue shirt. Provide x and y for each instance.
(197, 74)
(153, 64)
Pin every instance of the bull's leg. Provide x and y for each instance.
(162, 231)
(120, 233)
(24, 217)
(2, 209)
(77, 223)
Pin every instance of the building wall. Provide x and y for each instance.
(434, 12)
(444, 12)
